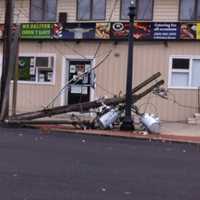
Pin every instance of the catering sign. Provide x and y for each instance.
(165, 31)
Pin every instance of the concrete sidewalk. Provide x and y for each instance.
(180, 129)
(172, 132)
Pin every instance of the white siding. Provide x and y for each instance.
(113, 10)
(21, 12)
(2, 10)
(166, 10)
(69, 7)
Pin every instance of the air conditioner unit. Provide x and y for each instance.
(44, 62)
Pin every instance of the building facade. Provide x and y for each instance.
(60, 39)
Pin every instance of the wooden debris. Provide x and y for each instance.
(86, 106)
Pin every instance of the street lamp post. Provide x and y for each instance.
(128, 121)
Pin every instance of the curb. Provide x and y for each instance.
(47, 129)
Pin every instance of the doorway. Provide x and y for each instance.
(79, 87)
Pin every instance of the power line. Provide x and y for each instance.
(78, 53)
(75, 51)
(173, 99)
(104, 89)
(67, 84)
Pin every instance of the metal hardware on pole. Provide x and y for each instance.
(127, 123)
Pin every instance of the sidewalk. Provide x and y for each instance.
(174, 132)
(180, 129)
(181, 132)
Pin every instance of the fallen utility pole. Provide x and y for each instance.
(134, 90)
(86, 106)
(146, 82)
(43, 122)
(6, 77)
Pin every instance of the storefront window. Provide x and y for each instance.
(91, 9)
(144, 9)
(36, 69)
(43, 10)
(185, 72)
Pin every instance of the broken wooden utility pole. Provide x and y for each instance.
(91, 105)
(15, 48)
(6, 71)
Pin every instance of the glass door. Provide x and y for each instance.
(80, 82)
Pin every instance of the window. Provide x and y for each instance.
(91, 9)
(185, 72)
(144, 9)
(36, 69)
(189, 9)
(43, 10)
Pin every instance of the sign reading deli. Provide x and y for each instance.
(147, 31)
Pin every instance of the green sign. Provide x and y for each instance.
(36, 31)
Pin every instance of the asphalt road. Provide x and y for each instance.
(34, 166)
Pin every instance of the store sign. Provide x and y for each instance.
(73, 31)
(1, 30)
(145, 31)
(102, 30)
(198, 31)
(36, 31)
(119, 30)
(188, 31)
(142, 31)
(165, 31)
